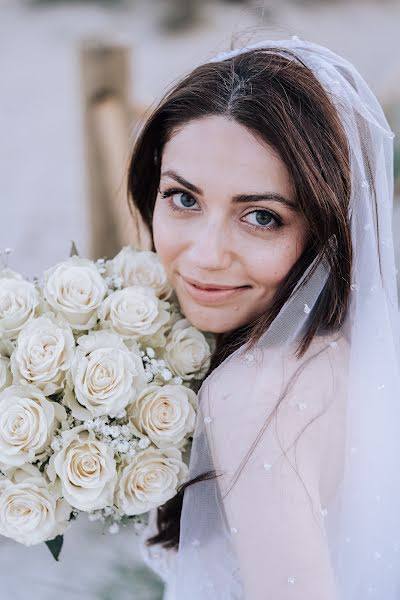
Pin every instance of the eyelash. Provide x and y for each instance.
(171, 192)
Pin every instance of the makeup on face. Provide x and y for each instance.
(225, 219)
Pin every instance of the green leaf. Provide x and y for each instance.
(55, 546)
(74, 250)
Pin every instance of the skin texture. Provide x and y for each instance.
(212, 240)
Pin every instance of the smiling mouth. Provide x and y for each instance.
(212, 295)
(213, 288)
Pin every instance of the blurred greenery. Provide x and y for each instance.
(132, 582)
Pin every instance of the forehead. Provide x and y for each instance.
(217, 150)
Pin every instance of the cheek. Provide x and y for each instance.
(166, 241)
(269, 267)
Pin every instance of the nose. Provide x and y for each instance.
(212, 248)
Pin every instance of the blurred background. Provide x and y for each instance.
(76, 80)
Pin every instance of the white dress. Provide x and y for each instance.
(159, 559)
(282, 521)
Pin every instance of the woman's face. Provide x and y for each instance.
(225, 215)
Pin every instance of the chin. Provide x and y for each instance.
(210, 324)
(212, 328)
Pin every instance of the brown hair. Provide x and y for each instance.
(278, 98)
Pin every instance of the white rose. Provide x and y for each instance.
(187, 352)
(44, 352)
(105, 376)
(86, 470)
(149, 480)
(19, 300)
(30, 510)
(7, 347)
(5, 373)
(27, 423)
(75, 289)
(140, 267)
(134, 312)
(166, 414)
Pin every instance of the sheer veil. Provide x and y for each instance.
(307, 501)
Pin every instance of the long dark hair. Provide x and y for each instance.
(278, 99)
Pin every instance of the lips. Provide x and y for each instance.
(212, 296)
(211, 286)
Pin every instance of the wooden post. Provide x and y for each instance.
(107, 123)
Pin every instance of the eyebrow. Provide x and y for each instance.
(238, 198)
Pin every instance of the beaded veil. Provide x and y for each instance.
(307, 501)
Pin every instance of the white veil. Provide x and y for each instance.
(248, 533)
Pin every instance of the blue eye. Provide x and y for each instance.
(186, 199)
(264, 219)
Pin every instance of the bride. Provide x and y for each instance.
(265, 180)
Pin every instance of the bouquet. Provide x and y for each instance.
(98, 371)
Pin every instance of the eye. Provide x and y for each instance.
(264, 219)
(178, 199)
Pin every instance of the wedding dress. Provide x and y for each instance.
(270, 473)
(161, 560)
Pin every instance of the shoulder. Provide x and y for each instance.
(325, 362)
(319, 396)
(293, 407)
(322, 371)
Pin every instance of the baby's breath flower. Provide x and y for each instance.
(115, 431)
(117, 516)
(95, 516)
(166, 374)
(56, 444)
(126, 430)
(114, 528)
(118, 281)
(144, 443)
(123, 446)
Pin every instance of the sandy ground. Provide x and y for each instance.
(42, 175)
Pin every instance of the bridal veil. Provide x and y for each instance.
(307, 500)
